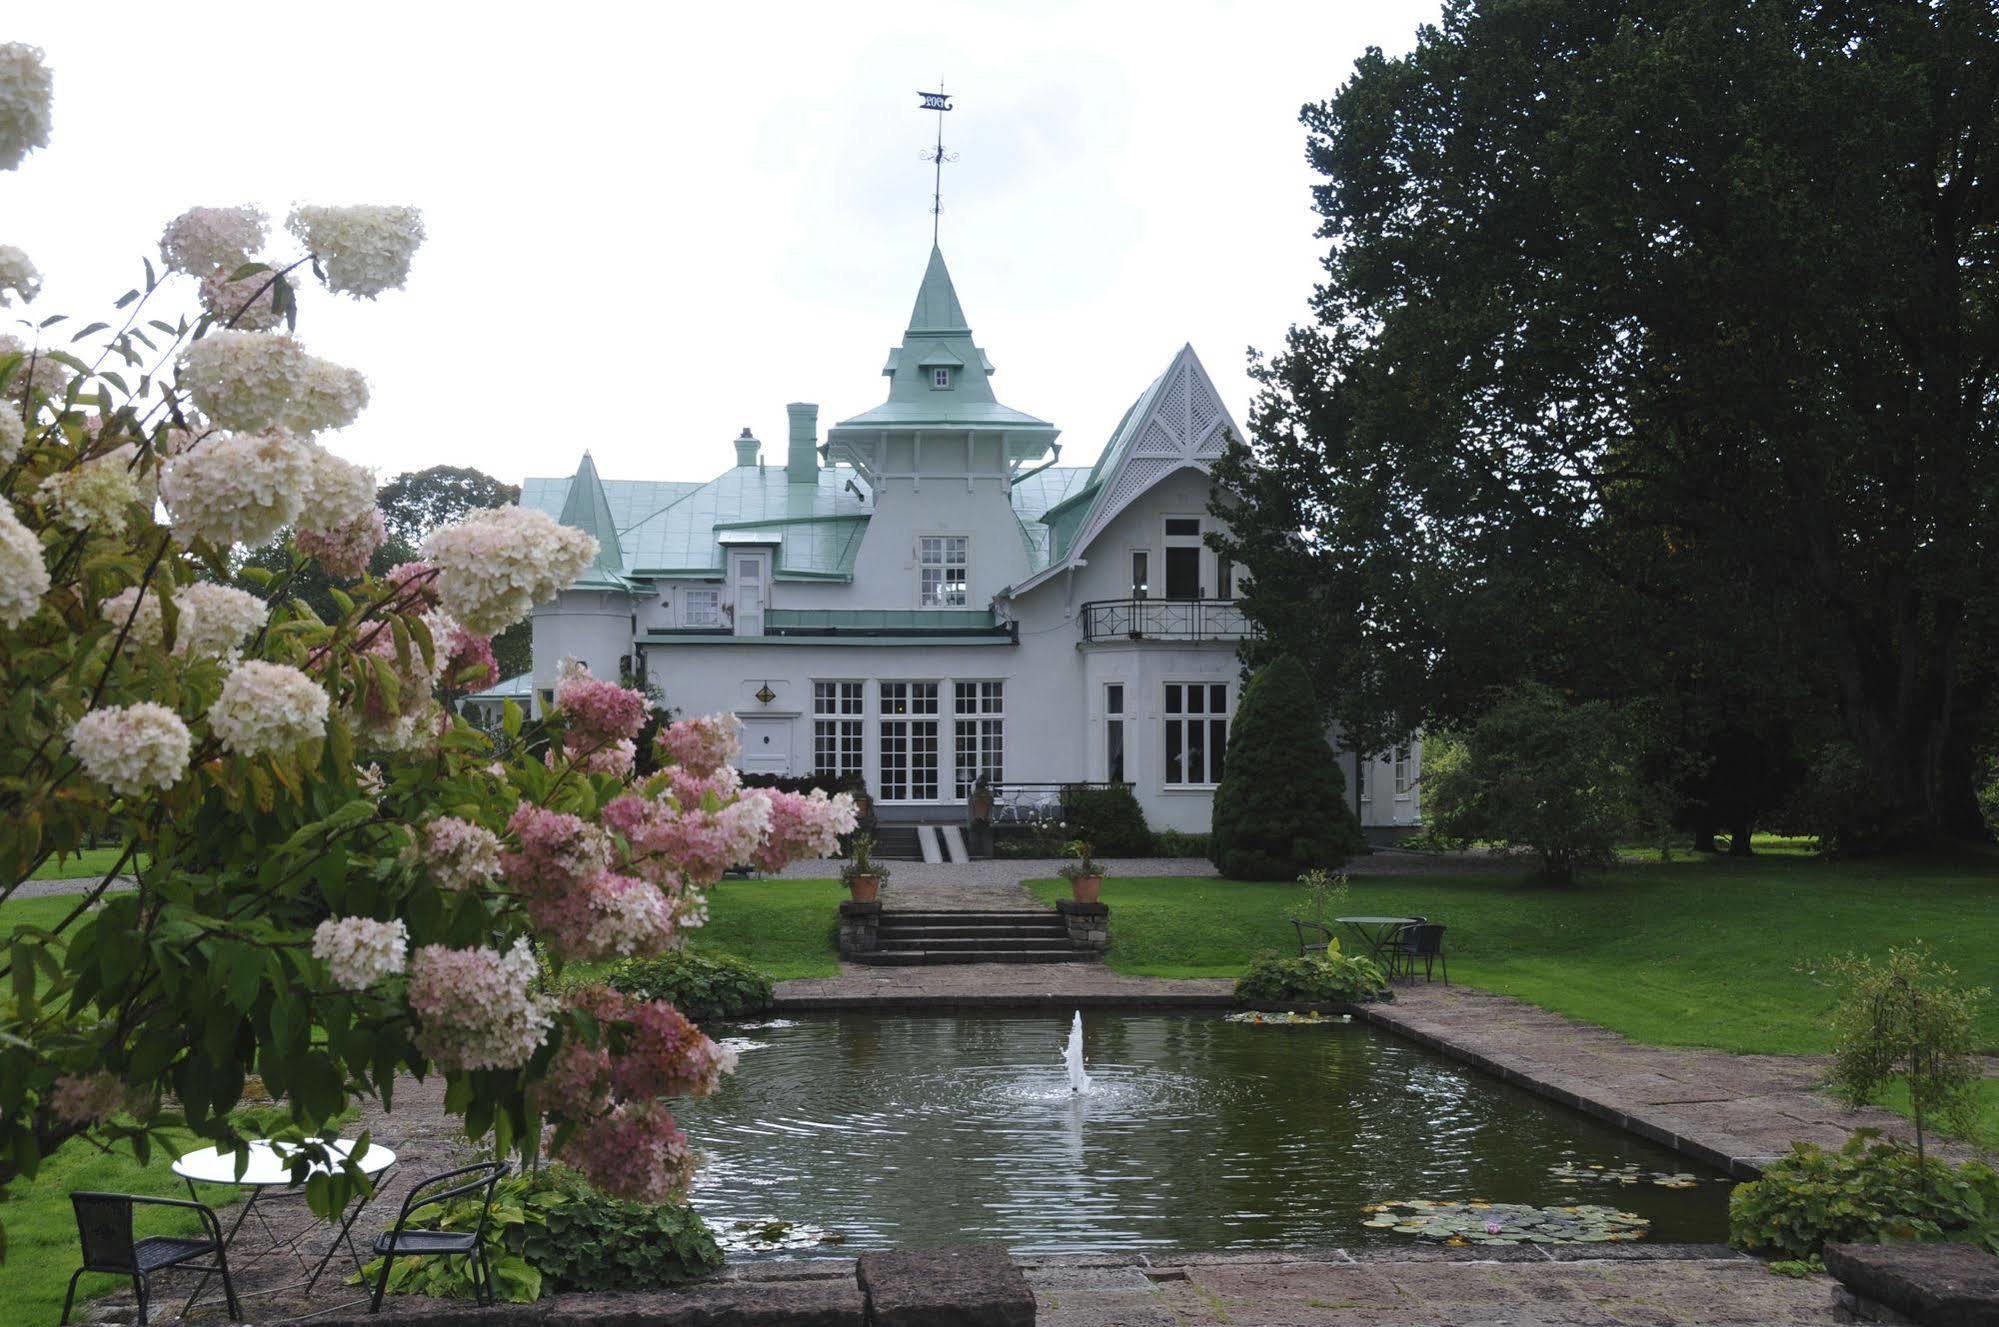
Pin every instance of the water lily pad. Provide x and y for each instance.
(1478, 1221)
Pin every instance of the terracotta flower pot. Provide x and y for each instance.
(864, 888)
(1085, 887)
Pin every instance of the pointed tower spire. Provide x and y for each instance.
(587, 509)
(937, 311)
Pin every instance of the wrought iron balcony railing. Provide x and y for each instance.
(1164, 619)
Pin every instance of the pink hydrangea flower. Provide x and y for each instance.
(477, 1008)
(465, 648)
(635, 1151)
(414, 586)
(345, 549)
(702, 745)
(460, 854)
(87, 1099)
(598, 710)
(803, 825)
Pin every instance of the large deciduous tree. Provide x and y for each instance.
(1655, 358)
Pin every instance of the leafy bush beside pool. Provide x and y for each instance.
(702, 986)
(1336, 979)
(1868, 1192)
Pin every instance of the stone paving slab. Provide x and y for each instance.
(1735, 1112)
(1709, 1286)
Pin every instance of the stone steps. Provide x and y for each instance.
(918, 937)
(893, 958)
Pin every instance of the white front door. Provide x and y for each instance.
(749, 578)
(767, 746)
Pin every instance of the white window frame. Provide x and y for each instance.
(1197, 541)
(1141, 588)
(839, 726)
(1115, 722)
(943, 565)
(940, 378)
(977, 728)
(1404, 760)
(903, 733)
(1182, 721)
(693, 615)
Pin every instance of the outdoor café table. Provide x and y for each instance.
(1377, 933)
(266, 1172)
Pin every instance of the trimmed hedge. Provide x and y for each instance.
(1281, 809)
(702, 986)
(1108, 818)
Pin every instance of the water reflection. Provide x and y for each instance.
(1197, 1133)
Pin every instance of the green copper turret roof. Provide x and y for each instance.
(586, 508)
(937, 309)
(940, 337)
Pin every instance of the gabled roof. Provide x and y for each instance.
(678, 528)
(1177, 423)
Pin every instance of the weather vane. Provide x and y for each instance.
(940, 102)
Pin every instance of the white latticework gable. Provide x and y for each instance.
(1186, 426)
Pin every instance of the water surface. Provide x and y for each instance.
(1199, 1134)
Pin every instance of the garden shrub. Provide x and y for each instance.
(1334, 979)
(1174, 843)
(1870, 1191)
(1839, 803)
(1281, 809)
(702, 986)
(1108, 817)
(1540, 772)
(549, 1231)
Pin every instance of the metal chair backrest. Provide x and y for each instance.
(104, 1227)
(488, 1175)
(1427, 939)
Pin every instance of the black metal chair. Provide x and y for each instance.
(104, 1227)
(1303, 948)
(1424, 941)
(470, 1245)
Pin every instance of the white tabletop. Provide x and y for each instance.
(268, 1167)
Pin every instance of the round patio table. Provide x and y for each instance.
(269, 1170)
(1377, 933)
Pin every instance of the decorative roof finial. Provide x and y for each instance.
(940, 102)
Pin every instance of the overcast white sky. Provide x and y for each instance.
(651, 225)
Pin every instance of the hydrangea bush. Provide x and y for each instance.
(338, 880)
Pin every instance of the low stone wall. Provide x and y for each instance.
(860, 928)
(1089, 924)
(1935, 1285)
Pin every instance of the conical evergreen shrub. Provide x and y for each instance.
(1281, 808)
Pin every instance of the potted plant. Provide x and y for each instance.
(863, 875)
(1085, 874)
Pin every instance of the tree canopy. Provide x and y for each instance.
(1654, 360)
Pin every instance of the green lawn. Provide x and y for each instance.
(1701, 952)
(789, 928)
(93, 862)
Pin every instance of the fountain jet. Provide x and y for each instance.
(1072, 1056)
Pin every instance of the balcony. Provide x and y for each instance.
(1165, 619)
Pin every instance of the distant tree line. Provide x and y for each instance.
(1654, 367)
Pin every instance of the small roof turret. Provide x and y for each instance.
(587, 509)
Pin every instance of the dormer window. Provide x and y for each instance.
(940, 379)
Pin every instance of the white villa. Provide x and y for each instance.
(924, 595)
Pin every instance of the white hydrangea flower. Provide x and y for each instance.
(95, 495)
(132, 748)
(267, 708)
(255, 380)
(359, 951)
(339, 491)
(363, 250)
(27, 94)
(146, 629)
(24, 577)
(214, 619)
(12, 434)
(18, 275)
(247, 305)
(37, 371)
(495, 566)
(203, 239)
(237, 488)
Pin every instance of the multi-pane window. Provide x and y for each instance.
(1401, 771)
(1114, 732)
(944, 562)
(979, 733)
(908, 741)
(1141, 573)
(940, 378)
(836, 728)
(1197, 732)
(701, 608)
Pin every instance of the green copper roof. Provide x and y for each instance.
(940, 337)
(587, 509)
(680, 528)
(518, 687)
